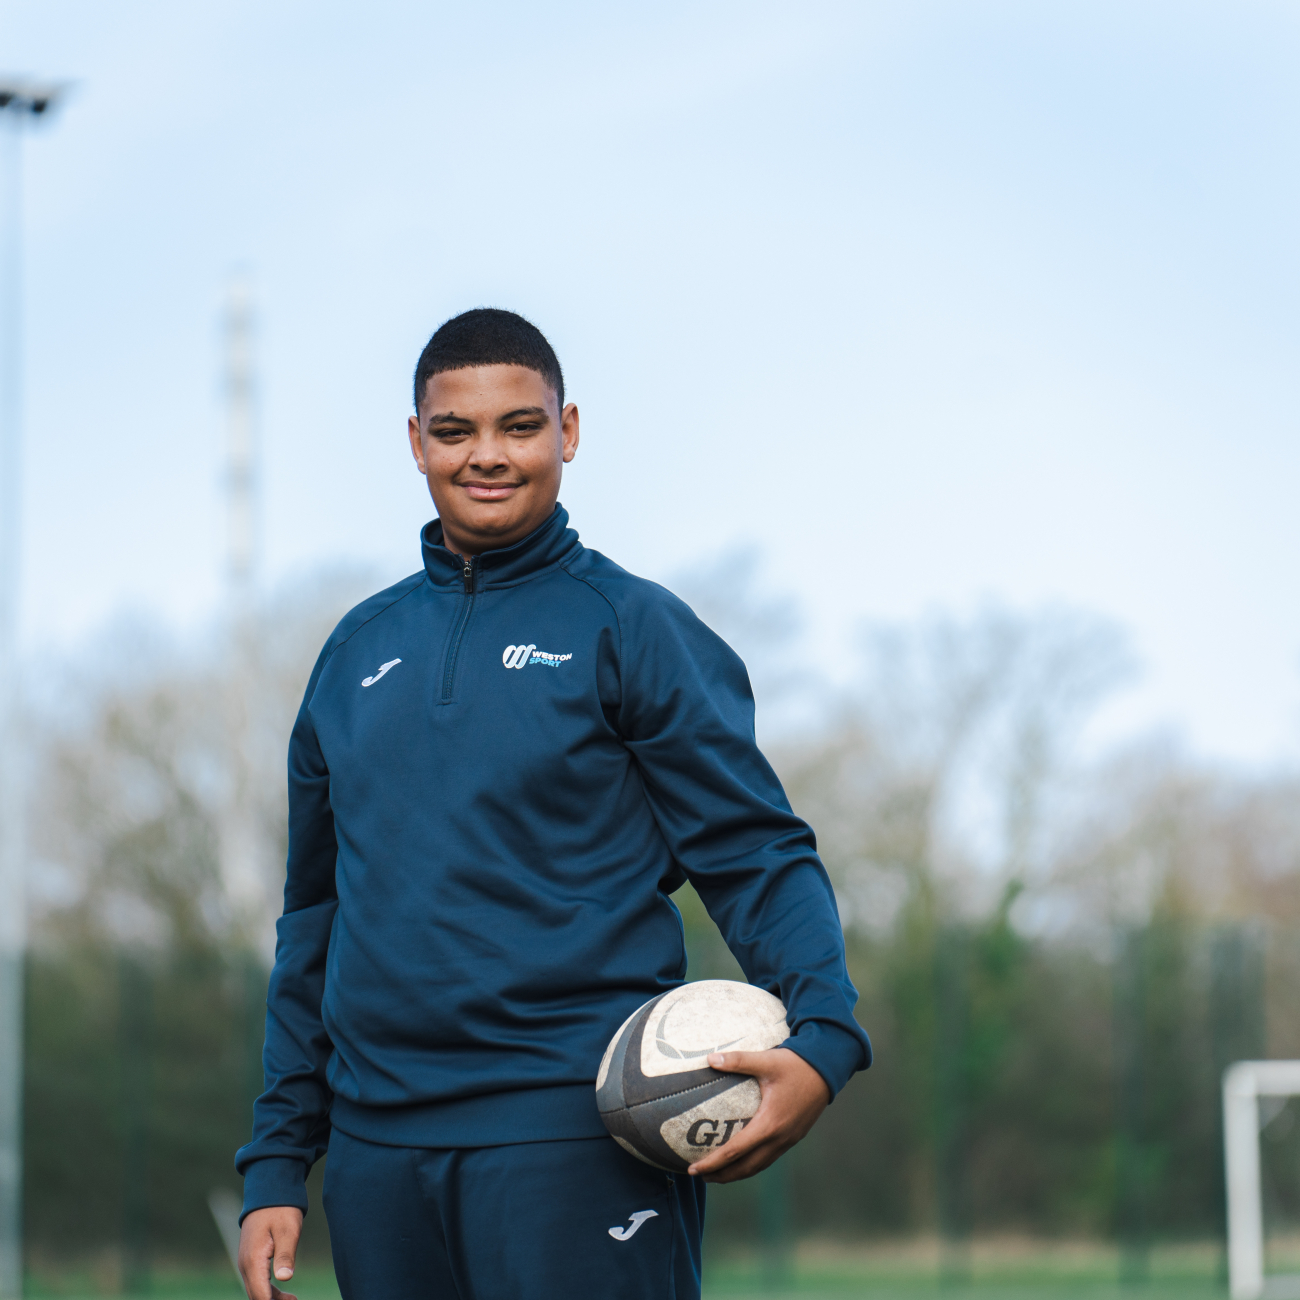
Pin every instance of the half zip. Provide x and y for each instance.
(458, 632)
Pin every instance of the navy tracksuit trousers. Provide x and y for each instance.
(571, 1220)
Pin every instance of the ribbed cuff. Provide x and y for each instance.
(276, 1180)
(833, 1052)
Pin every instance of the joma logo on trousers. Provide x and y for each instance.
(520, 656)
(637, 1219)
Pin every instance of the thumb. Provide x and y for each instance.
(286, 1250)
(738, 1062)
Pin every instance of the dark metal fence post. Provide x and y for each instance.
(952, 1102)
(1129, 1030)
(136, 1049)
(1237, 1032)
(774, 1226)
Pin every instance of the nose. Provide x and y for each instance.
(489, 453)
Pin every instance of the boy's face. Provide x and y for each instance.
(492, 443)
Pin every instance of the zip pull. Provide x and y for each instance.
(468, 574)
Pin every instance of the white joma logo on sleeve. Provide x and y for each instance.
(622, 1234)
(383, 668)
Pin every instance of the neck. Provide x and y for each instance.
(467, 547)
(460, 545)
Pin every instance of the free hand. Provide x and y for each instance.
(268, 1242)
(794, 1095)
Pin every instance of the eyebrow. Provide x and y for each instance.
(451, 418)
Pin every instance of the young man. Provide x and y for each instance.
(502, 768)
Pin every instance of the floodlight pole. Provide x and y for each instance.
(19, 101)
(240, 857)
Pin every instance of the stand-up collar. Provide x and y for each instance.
(541, 549)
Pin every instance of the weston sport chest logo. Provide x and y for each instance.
(520, 656)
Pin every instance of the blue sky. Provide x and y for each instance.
(936, 303)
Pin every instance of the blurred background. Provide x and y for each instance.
(941, 355)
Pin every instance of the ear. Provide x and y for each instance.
(569, 432)
(417, 445)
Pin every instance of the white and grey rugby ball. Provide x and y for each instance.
(658, 1098)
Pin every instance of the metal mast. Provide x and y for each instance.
(19, 101)
(241, 865)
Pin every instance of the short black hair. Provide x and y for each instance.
(488, 336)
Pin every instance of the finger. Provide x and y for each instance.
(764, 1125)
(750, 1136)
(277, 1294)
(740, 1062)
(254, 1269)
(257, 1288)
(753, 1162)
(762, 1128)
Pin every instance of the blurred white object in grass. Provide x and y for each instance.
(225, 1207)
(1243, 1086)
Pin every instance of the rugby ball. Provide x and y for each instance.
(658, 1098)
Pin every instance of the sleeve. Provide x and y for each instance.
(686, 712)
(291, 1118)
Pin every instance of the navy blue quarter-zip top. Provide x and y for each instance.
(502, 769)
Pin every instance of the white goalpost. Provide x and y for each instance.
(1243, 1085)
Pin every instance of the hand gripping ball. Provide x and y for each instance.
(656, 1095)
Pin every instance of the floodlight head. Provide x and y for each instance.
(22, 95)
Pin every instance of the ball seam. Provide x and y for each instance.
(681, 1092)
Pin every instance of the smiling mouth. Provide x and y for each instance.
(490, 491)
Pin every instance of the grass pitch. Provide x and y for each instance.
(1004, 1269)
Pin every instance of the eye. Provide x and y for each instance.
(525, 426)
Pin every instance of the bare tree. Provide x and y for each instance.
(938, 779)
(132, 783)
